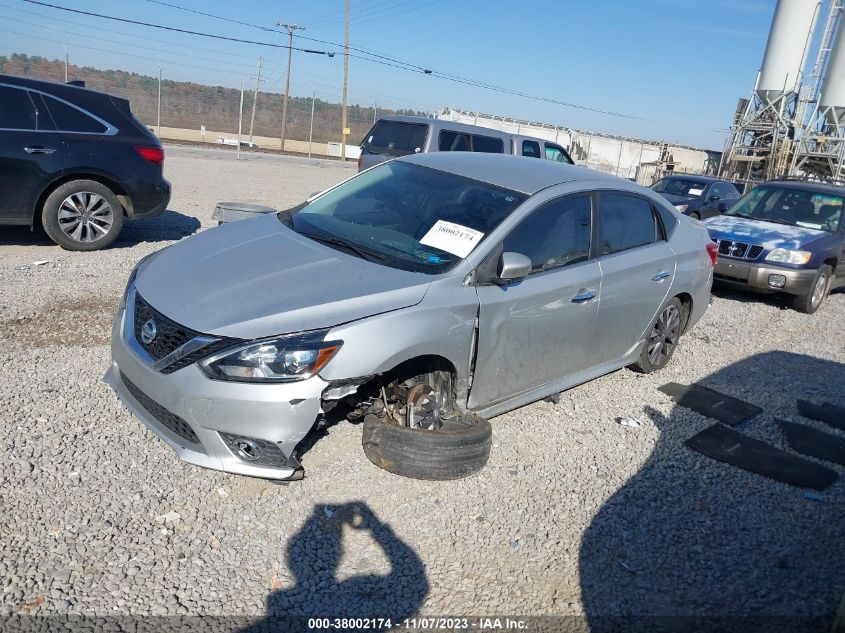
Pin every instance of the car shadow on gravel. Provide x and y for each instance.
(168, 227)
(694, 540)
(314, 557)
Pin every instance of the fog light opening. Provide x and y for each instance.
(247, 449)
(777, 281)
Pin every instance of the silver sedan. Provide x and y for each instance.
(515, 279)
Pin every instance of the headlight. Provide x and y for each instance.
(682, 207)
(282, 359)
(786, 256)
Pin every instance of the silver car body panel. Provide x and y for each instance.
(257, 278)
(386, 316)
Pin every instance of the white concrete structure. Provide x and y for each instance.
(832, 99)
(617, 155)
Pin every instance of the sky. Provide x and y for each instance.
(673, 68)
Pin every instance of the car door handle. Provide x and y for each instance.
(584, 295)
(38, 150)
(661, 276)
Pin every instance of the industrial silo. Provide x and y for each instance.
(786, 49)
(832, 98)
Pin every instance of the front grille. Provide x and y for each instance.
(170, 421)
(169, 334)
(740, 250)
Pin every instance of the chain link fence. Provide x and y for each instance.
(194, 112)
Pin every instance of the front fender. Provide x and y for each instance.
(443, 324)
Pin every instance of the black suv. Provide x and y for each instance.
(77, 161)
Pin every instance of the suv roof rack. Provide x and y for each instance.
(837, 182)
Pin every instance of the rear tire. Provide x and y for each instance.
(82, 215)
(662, 338)
(809, 302)
(459, 449)
(696, 215)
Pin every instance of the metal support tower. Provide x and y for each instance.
(820, 148)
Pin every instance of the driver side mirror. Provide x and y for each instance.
(713, 198)
(512, 267)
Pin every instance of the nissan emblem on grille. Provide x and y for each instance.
(148, 332)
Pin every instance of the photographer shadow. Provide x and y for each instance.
(314, 556)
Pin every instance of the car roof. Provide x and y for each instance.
(517, 173)
(808, 185)
(65, 91)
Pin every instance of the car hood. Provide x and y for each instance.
(256, 278)
(767, 234)
(676, 199)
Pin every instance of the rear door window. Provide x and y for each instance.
(18, 111)
(71, 119)
(531, 148)
(453, 142)
(396, 138)
(487, 144)
(626, 222)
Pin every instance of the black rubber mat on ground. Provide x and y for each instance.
(805, 439)
(723, 444)
(829, 414)
(710, 403)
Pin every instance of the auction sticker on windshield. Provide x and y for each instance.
(452, 238)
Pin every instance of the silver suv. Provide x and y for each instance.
(516, 279)
(393, 136)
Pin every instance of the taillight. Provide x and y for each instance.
(712, 251)
(153, 154)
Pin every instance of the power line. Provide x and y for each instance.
(173, 28)
(146, 38)
(448, 77)
(408, 66)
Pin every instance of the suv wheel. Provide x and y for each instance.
(82, 215)
(810, 302)
(662, 339)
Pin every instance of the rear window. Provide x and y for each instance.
(71, 119)
(487, 144)
(396, 138)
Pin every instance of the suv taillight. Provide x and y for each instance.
(712, 251)
(153, 154)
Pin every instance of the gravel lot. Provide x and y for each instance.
(575, 514)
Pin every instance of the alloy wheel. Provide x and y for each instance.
(85, 217)
(664, 335)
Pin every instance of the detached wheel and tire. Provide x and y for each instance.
(460, 448)
(662, 339)
(813, 298)
(82, 215)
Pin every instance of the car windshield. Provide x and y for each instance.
(406, 216)
(788, 205)
(680, 187)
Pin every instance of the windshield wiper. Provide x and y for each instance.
(357, 250)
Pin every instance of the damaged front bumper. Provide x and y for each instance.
(248, 429)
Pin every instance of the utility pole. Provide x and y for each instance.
(345, 123)
(254, 101)
(65, 65)
(158, 106)
(290, 29)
